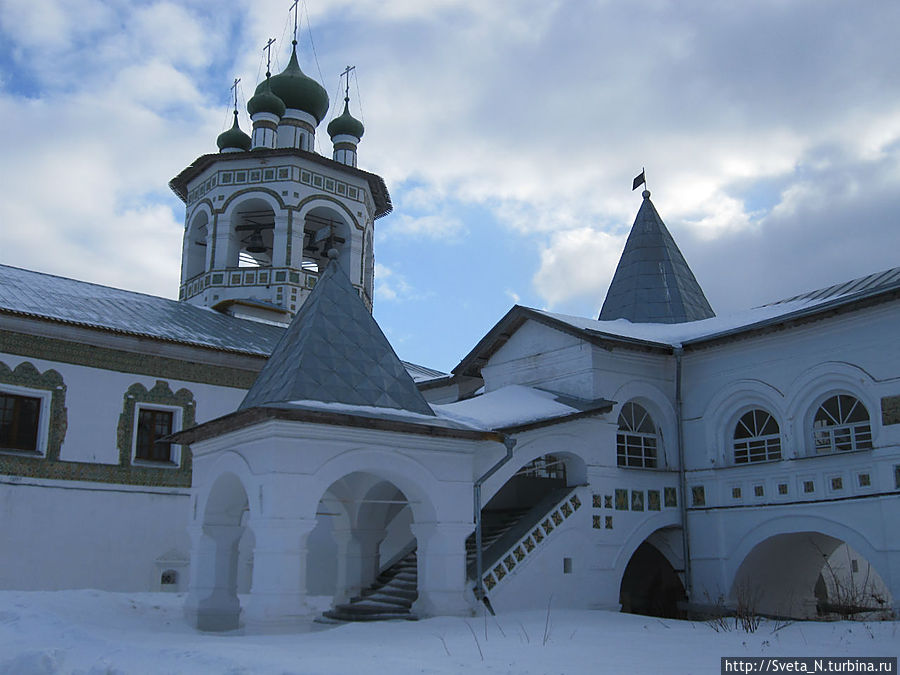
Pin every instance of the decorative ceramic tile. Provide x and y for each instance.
(653, 502)
(597, 501)
(837, 483)
(759, 491)
(609, 524)
(864, 480)
(671, 497)
(598, 522)
(809, 486)
(782, 488)
(735, 493)
(698, 495)
(621, 500)
(608, 502)
(637, 500)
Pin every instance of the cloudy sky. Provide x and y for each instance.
(508, 133)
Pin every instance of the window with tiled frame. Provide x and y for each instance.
(151, 406)
(32, 411)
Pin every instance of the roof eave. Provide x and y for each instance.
(382, 197)
(243, 419)
(808, 314)
(504, 329)
(122, 331)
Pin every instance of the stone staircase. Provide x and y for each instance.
(390, 597)
(394, 590)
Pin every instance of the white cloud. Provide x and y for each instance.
(577, 263)
(391, 286)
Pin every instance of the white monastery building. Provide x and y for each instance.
(259, 446)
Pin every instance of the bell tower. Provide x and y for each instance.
(263, 212)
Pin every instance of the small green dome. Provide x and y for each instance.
(234, 137)
(265, 101)
(298, 91)
(346, 124)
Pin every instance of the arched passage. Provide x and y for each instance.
(369, 563)
(650, 585)
(801, 575)
(213, 597)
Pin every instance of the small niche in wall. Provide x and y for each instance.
(168, 578)
(567, 566)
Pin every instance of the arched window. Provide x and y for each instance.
(757, 438)
(841, 424)
(636, 442)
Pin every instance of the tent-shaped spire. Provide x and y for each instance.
(334, 352)
(653, 283)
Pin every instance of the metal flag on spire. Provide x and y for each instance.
(639, 180)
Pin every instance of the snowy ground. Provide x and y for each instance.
(100, 633)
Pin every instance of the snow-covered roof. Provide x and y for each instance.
(516, 406)
(46, 296)
(717, 327)
(486, 417)
(665, 337)
(80, 303)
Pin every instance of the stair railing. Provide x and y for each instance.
(526, 536)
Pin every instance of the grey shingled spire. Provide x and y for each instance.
(653, 283)
(333, 351)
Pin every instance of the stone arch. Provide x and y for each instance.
(251, 221)
(327, 224)
(775, 566)
(650, 585)
(369, 534)
(410, 476)
(662, 521)
(658, 404)
(818, 384)
(197, 242)
(540, 446)
(229, 463)
(275, 201)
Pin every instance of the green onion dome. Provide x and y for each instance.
(234, 137)
(298, 91)
(346, 124)
(264, 101)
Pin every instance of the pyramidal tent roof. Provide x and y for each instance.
(653, 283)
(334, 352)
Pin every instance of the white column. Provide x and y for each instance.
(212, 603)
(443, 589)
(278, 590)
(358, 560)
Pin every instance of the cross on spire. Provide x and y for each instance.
(295, 10)
(268, 50)
(346, 74)
(234, 89)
